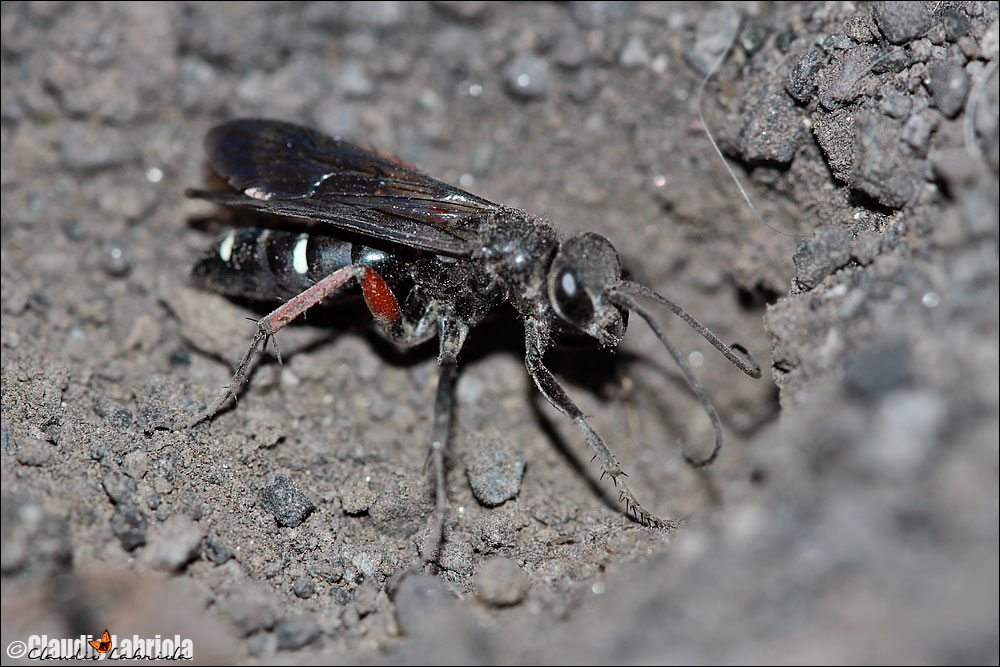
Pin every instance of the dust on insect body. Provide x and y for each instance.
(431, 260)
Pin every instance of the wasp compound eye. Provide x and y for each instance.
(571, 301)
(584, 269)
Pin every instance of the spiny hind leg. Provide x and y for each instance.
(536, 338)
(275, 321)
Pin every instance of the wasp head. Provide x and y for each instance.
(580, 279)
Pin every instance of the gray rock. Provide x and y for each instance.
(357, 497)
(715, 33)
(216, 551)
(120, 489)
(136, 464)
(129, 526)
(304, 587)
(818, 256)
(120, 418)
(835, 134)
(841, 81)
(399, 508)
(496, 530)
(894, 103)
(354, 80)
(527, 76)
(880, 169)
(421, 600)
(501, 582)
(297, 631)
(918, 130)
(33, 451)
(801, 82)
(634, 54)
(289, 506)
(902, 22)
(495, 471)
(865, 246)
(773, 131)
(949, 86)
(251, 607)
(954, 23)
(174, 544)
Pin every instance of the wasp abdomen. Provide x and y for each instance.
(269, 264)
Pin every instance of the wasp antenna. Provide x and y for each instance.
(626, 287)
(754, 367)
(622, 295)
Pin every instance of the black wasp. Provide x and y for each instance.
(430, 259)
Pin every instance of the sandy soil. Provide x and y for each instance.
(852, 516)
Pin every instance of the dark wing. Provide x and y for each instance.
(286, 169)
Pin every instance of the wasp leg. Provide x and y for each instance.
(536, 341)
(451, 335)
(276, 320)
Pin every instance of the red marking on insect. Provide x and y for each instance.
(380, 299)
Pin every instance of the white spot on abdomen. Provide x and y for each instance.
(226, 247)
(300, 263)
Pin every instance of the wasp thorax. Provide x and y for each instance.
(518, 250)
(583, 271)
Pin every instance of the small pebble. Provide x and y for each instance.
(251, 607)
(297, 631)
(880, 168)
(894, 103)
(175, 543)
(714, 35)
(357, 497)
(801, 82)
(136, 464)
(495, 471)
(304, 587)
(496, 530)
(129, 526)
(527, 76)
(820, 255)
(289, 506)
(120, 418)
(119, 488)
(919, 128)
(421, 599)
(115, 261)
(634, 54)
(33, 452)
(949, 86)
(501, 582)
(216, 551)
(901, 22)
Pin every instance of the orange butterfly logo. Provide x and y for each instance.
(104, 645)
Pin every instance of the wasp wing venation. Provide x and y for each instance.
(363, 221)
(270, 160)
